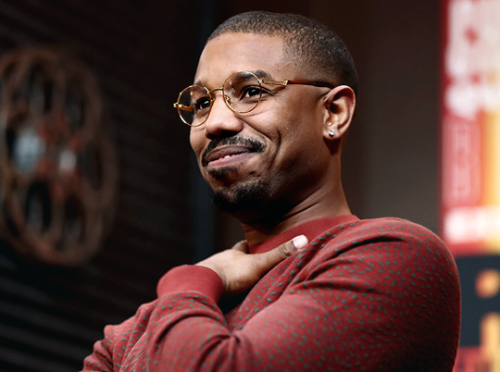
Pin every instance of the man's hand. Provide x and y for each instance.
(240, 270)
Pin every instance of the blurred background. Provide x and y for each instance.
(97, 80)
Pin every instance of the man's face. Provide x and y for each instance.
(272, 154)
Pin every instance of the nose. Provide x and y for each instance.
(222, 121)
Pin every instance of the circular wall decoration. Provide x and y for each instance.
(57, 167)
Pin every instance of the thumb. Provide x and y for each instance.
(270, 259)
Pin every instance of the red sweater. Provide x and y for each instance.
(365, 295)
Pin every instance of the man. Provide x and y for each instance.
(312, 287)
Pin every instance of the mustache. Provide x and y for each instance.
(253, 144)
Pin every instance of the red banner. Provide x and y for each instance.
(470, 164)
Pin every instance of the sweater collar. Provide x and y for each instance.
(311, 229)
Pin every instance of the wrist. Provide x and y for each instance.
(191, 278)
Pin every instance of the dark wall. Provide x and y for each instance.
(143, 53)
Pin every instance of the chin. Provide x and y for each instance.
(242, 197)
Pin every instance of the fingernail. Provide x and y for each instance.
(299, 242)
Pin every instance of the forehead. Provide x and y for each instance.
(233, 52)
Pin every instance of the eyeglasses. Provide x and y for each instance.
(242, 93)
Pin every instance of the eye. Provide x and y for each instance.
(251, 92)
(202, 104)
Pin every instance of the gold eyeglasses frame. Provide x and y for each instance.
(180, 107)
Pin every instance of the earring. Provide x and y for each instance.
(331, 132)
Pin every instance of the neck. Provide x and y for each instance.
(322, 204)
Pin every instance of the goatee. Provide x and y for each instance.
(243, 197)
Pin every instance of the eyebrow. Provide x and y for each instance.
(261, 74)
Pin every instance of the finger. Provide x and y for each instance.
(266, 261)
(241, 246)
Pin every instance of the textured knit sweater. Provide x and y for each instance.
(365, 295)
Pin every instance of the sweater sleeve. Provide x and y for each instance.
(123, 344)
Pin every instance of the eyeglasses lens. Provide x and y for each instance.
(242, 92)
(194, 104)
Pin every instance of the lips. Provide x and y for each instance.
(225, 153)
(220, 149)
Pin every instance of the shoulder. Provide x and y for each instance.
(391, 255)
(390, 230)
(388, 226)
(388, 240)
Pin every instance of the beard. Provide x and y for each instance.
(242, 198)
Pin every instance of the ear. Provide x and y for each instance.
(340, 104)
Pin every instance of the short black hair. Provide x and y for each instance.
(308, 43)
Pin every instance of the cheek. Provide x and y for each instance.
(196, 141)
(299, 125)
(301, 134)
